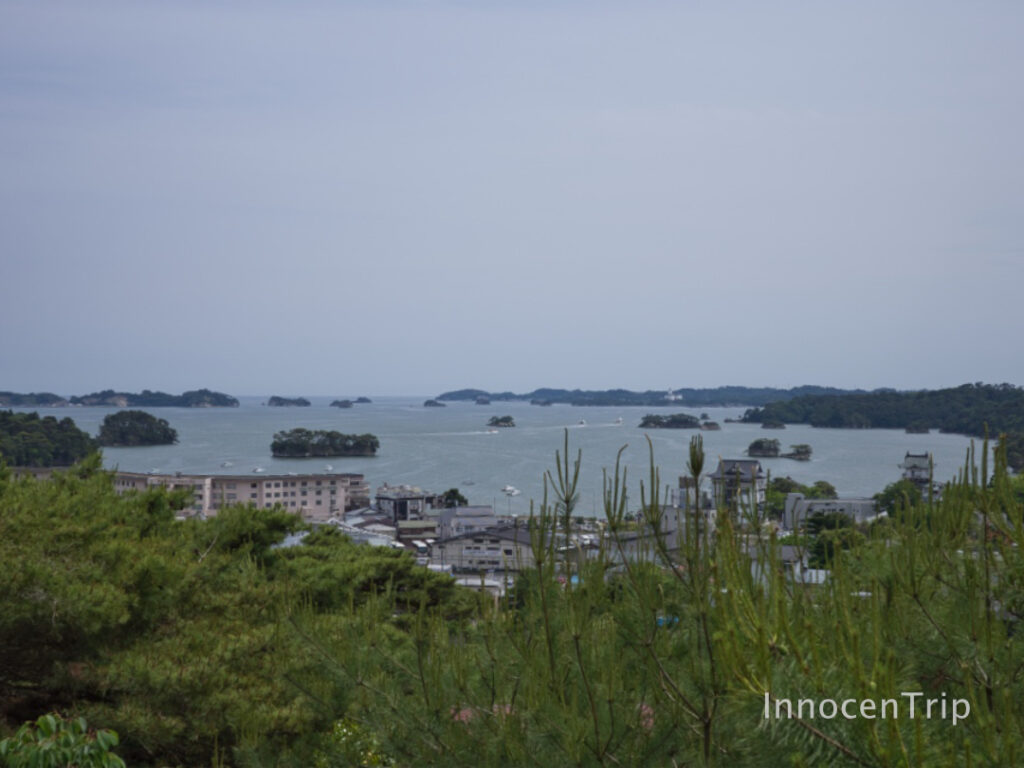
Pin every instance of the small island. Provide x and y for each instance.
(710, 426)
(341, 404)
(675, 421)
(434, 404)
(764, 447)
(799, 452)
(126, 429)
(363, 400)
(281, 402)
(501, 421)
(306, 443)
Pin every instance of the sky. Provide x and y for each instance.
(343, 198)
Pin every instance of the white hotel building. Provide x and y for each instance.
(315, 497)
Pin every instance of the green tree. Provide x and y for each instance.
(53, 742)
(898, 496)
(452, 498)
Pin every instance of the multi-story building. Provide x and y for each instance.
(315, 497)
(404, 502)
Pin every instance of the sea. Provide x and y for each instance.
(452, 447)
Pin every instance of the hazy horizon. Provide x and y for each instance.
(377, 198)
(354, 394)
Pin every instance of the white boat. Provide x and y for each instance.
(511, 490)
(328, 468)
(492, 431)
(618, 420)
(582, 422)
(258, 469)
(227, 463)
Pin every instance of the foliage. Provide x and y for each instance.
(897, 496)
(341, 404)
(433, 404)
(170, 631)
(205, 641)
(764, 446)
(675, 421)
(298, 443)
(53, 742)
(29, 441)
(501, 421)
(453, 498)
(131, 428)
(670, 659)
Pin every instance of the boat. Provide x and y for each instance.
(328, 468)
(227, 463)
(582, 422)
(492, 431)
(618, 420)
(258, 469)
(511, 490)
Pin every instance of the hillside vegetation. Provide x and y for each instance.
(26, 440)
(202, 643)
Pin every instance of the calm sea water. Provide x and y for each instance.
(441, 448)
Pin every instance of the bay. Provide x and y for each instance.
(451, 447)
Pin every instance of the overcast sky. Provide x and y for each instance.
(408, 197)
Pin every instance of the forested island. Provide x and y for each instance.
(196, 398)
(135, 428)
(501, 421)
(764, 448)
(302, 443)
(26, 440)
(675, 421)
(341, 404)
(717, 396)
(433, 404)
(284, 402)
(32, 400)
(967, 409)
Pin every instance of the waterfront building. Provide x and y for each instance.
(316, 497)
(404, 502)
